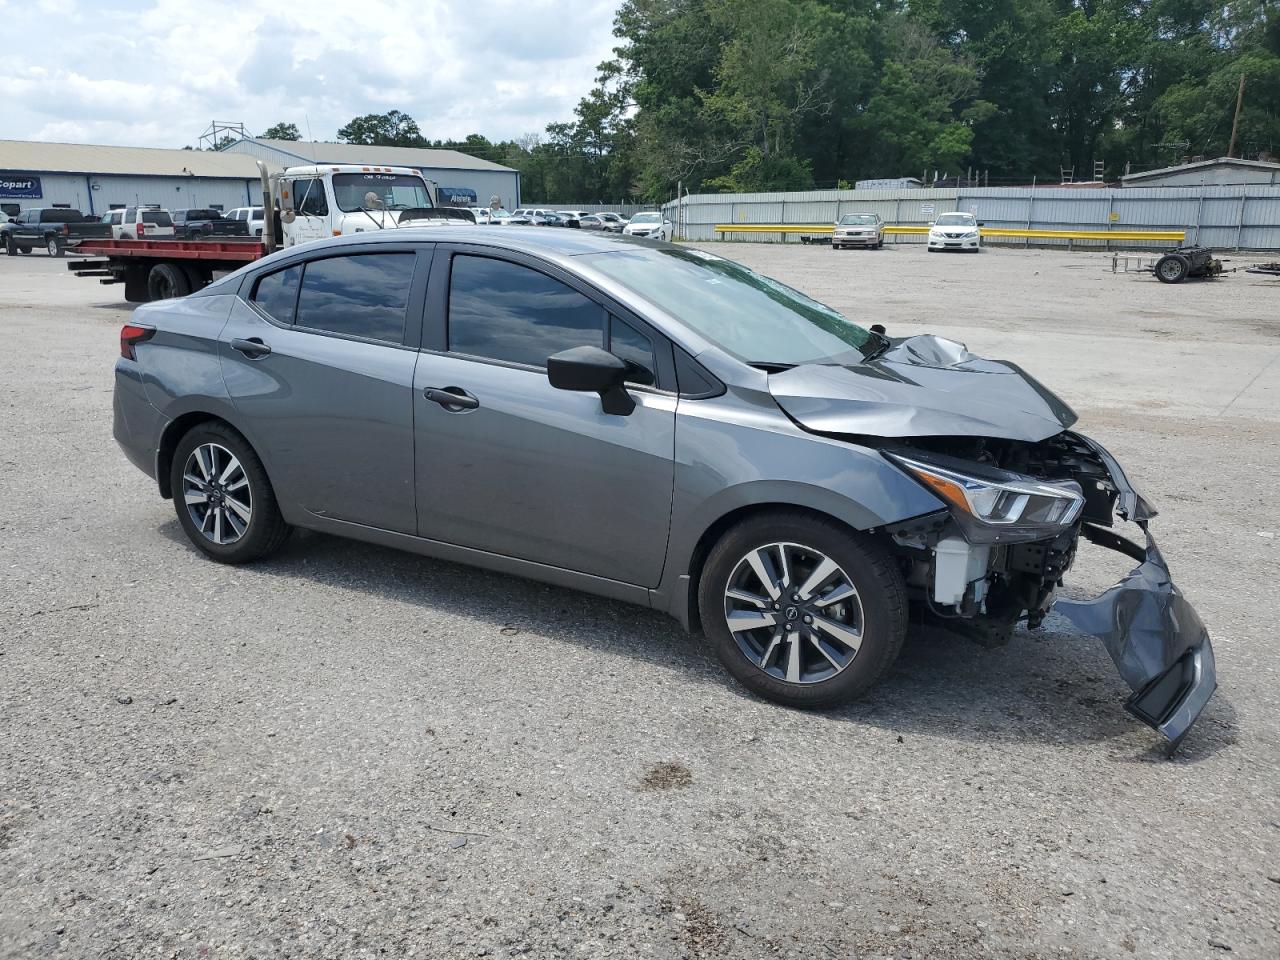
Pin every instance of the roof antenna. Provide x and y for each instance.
(306, 118)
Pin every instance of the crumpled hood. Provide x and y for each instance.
(922, 386)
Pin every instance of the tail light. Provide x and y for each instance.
(66, 229)
(132, 334)
(142, 230)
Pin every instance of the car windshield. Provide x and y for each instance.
(758, 320)
(955, 220)
(856, 218)
(391, 191)
(645, 218)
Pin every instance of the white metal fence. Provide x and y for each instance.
(1224, 217)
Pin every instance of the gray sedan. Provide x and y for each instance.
(650, 423)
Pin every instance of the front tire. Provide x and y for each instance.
(223, 498)
(802, 610)
(10, 247)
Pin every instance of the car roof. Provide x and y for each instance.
(567, 243)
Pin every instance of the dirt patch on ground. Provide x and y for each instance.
(666, 776)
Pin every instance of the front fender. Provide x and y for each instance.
(740, 450)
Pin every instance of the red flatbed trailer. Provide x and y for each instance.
(159, 269)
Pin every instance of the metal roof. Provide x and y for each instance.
(1203, 164)
(33, 156)
(318, 151)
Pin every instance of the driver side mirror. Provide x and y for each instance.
(592, 370)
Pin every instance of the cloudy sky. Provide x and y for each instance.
(155, 72)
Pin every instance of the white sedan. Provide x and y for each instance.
(649, 225)
(955, 231)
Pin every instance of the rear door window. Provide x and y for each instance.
(363, 295)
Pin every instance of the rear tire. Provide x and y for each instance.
(166, 281)
(25, 249)
(217, 526)
(54, 247)
(845, 633)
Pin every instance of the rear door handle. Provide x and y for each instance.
(253, 348)
(454, 398)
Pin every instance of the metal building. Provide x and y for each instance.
(1224, 171)
(462, 178)
(95, 179)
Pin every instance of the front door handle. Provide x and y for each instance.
(253, 348)
(451, 398)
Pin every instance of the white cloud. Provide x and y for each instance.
(155, 72)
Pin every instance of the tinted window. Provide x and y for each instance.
(509, 312)
(277, 293)
(63, 216)
(309, 199)
(157, 218)
(364, 296)
(629, 344)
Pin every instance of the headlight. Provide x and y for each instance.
(1001, 507)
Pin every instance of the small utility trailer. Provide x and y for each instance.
(160, 269)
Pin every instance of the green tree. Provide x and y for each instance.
(391, 129)
(282, 131)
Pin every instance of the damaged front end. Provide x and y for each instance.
(1016, 511)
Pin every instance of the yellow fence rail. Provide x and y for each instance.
(1177, 236)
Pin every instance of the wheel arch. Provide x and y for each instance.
(179, 427)
(687, 611)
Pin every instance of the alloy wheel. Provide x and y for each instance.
(794, 613)
(216, 491)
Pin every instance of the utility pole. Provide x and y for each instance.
(1235, 124)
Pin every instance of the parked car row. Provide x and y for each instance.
(193, 223)
(646, 224)
(951, 231)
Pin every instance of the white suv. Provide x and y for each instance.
(139, 223)
(250, 215)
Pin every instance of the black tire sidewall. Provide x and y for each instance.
(263, 535)
(868, 565)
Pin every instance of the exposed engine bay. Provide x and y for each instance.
(978, 580)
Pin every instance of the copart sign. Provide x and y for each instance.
(20, 188)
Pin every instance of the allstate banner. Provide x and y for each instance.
(20, 187)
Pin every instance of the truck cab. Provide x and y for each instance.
(333, 201)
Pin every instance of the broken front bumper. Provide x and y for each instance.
(1158, 642)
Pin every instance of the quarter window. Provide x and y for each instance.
(276, 294)
(362, 296)
(508, 312)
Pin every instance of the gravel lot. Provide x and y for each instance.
(351, 752)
